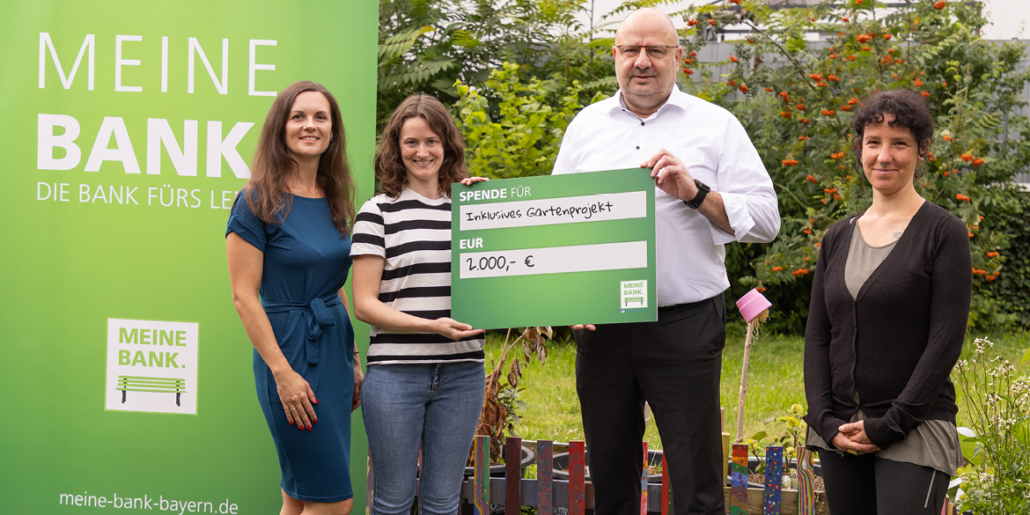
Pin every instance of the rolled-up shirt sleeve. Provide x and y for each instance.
(747, 191)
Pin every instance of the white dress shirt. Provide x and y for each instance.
(715, 150)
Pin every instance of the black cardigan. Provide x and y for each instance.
(897, 342)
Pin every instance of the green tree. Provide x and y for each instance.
(427, 45)
(796, 100)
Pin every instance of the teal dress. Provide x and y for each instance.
(306, 261)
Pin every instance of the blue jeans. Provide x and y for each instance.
(435, 406)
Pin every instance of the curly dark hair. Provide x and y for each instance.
(267, 191)
(391, 174)
(909, 110)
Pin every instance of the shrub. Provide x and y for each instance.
(521, 136)
(796, 101)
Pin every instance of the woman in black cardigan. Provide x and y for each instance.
(890, 302)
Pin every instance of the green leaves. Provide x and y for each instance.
(400, 44)
(425, 46)
(798, 108)
(513, 124)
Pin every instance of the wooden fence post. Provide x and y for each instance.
(773, 479)
(368, 483)
(643, 483)
(738, 498)
(577, 489)
(666, 478)
(512, 476)
(806, 482)
(544, 477)
(481, 485)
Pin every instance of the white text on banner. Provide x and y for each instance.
(554, 260)
(565, 210)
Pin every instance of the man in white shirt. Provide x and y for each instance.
(713, 189)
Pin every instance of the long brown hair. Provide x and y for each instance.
(389, 166)
(267, 191)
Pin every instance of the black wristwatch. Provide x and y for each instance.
(702, 192)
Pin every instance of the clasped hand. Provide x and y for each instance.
(853, 439)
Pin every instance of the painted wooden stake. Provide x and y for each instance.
(738, 472)
(725, 457)
(577, 488)
(643, 483)
(368, 484)
(773, 479)
(806, 482)
(512, 476)
(666, 508)
(481, 477)
(544, 477)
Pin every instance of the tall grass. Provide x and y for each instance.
(775, 382)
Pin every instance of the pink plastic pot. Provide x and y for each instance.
(752, 304)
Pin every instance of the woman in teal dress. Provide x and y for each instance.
(288, 249)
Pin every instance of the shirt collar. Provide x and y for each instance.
(676, 98)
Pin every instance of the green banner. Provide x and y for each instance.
(126, 128)
(554, 250)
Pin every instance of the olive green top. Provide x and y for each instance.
(934, 443)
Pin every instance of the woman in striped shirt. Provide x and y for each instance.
(425, 382)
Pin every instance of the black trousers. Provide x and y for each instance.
(870, 485)
(674, 364)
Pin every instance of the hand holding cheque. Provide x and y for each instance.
(671, 176)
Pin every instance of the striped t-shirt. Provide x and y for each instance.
(413, 234)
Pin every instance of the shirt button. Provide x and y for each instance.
(641, 124)
(638, 148)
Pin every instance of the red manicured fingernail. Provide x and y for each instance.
(309, 428)
(316, 401)
(316, 420)
(291, 422)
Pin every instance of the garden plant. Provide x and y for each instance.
(796, 99)
(997, 478)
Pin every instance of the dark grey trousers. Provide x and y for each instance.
(871, 485)
(674, 364)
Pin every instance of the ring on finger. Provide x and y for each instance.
(293, 409)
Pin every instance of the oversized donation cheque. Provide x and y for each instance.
(554, 250)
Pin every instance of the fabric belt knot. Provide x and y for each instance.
(316, 317)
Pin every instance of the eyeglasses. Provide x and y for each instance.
(656, 52)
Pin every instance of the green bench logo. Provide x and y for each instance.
(151, 366)
(633, 295)
(151, 384)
